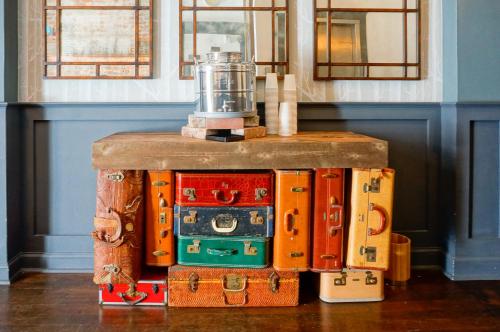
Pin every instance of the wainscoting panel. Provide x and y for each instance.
(59, 193)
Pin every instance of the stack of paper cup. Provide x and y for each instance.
(272, 103)
(287, 120)
(290, 99)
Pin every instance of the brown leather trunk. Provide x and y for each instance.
(119, 227)
(209, 287)
(328, 220)
(159, 203)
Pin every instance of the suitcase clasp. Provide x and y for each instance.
(116, 177)
(233, 283)
(342, 281)
(260, 193)
(193, 282)
(249, 250)
(298, 189)
(373, 187)
(160, 253)
(194, 248)
(255, 219)
(274, 282)
(296, 254)
(192, 218)
(370, 279)
(190, 193)
(371, 253)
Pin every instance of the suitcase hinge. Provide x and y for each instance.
(373, 187)
(160, 253)
(159, 184)
(296, 254)
(255, 219)
(193, 282)
(190, 193)
(116, 177)
(260, 193)
(163, 218)
(342, 281)
(194, 248)
(274, 282)
(371, 253)
(249, 250)
(370, 279)
(329, 176)
(192, 218)
(298, 189)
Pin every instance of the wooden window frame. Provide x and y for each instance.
(405, 10)
(273, 8)
(137, 8)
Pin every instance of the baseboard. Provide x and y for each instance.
(471, 268)
(4, 275)
(55, 262)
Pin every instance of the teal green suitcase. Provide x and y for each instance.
(249, 252)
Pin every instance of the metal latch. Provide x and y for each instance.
(255, 219)
(194, 248)
(163, 218)
(260, 193)
(159, 183)
(234, 283)
(371, 253)
(193, 282)
(328, 256)
(116, 177)
(190, 193)
(159, 253)
(298, 189)
(370, 279)
(373, 187)
(329, 176)
(274, 282)
(155, 288)
(342, 281)
(192, 218)
(249, 250)
(163, 203)
(296, 254)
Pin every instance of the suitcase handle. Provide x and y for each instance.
(383, 220)
(289, 230)
(224, 229)
(222, 200)
(114, 240)
(221, 252)
(336, 215)
(142, 297)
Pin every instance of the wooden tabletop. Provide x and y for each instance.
(170, 151)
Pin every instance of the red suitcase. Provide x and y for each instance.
(151, 290)
(328, 220)
(224, 189)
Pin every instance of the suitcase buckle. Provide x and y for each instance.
(193, 282)
(260, 193)
(249, 250)
(192, 218)
(255, 219)
(194, 248)
(370, 279)
(190, 193)
(234, 284)
(373, 187)
(342, 281)
(116, 177)
(274, 282)
(371, 253)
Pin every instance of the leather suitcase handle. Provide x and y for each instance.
(289, 230)
(234, 196)
(383, 220)
(142, 297)
(112, 240)
(224, 229)
(337, 211)
(221, 252)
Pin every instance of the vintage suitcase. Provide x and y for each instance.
(207, 287)
(118, 227)
(293, 208)
(226, 189)
(151, 290)
(371, 219)
(248, 252)
(224, 221)
(328, 220)
(352, 286)
(159, 203)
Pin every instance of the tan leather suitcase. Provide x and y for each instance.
(371, 219)
(228, 287)
(118, 227)
(352, 286)
(159, 203)
(292, 228)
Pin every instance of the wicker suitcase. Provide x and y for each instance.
(352, 286)
(159, 203)
(328, 223)
(118, 227)
(208, 287)
(371, 219)
(248, 252)
(224, 221)
(293, 208)
(224, 189)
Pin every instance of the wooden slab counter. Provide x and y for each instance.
(170, 151)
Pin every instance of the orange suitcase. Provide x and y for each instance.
(371, 219)
(159, 194)
(293, 209)
(228, 287)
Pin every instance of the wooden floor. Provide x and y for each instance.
(43, 302)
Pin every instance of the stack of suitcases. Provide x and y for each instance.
(241, 238)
